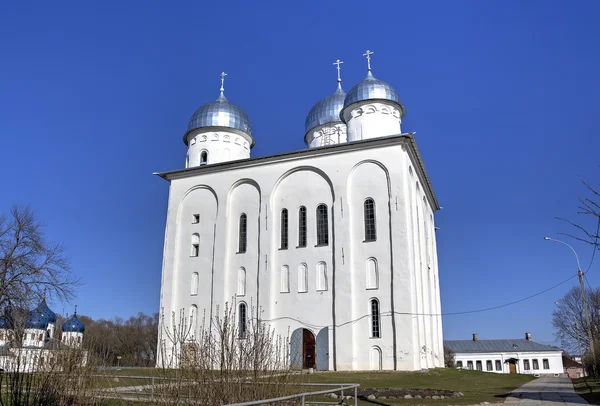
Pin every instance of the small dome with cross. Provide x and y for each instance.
(372, 89)
(326, 110)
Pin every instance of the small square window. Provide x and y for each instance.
(195, 219)
(459, 364)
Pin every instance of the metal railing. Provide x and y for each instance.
(302, 396)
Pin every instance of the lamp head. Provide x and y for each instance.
(547, 238)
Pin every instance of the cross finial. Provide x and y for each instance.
(338, 63)
(223, 74)
(368, 55)
(75, 310)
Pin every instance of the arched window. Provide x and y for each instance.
(321, 276)
(369, 214)
(203, 158)
(375, 322)
(302, 226)
(195, 245)
(243, 234)
(193, 320)
(375, 358)
(372, 274)
(78, 341)
(302, 278)
(322, 225)
(242, 318)
(241, 288)
(285, 279)
(284, 229)
(194, 283)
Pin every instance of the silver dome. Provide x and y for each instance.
(372, 89)
(219, 113)
(326, 110)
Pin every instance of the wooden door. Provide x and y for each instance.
(512, 367)
(308, 349)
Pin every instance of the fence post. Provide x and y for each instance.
(152, 394)
(302, 400)
(342, 394)
(355, 395)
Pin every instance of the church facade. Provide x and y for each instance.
(333, 246)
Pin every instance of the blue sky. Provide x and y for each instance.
(503, 96)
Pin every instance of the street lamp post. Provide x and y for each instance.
(585, 306)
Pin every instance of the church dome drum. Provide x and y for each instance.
(372, 89)
(73, 325)
(219, 113)
(325, 111)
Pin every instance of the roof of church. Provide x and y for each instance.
(326, 110)
(372, 89)
(326, 149)
(40, 317)
(507, 345)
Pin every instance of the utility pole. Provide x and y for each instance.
(587, 320)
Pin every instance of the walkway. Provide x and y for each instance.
(545, 392)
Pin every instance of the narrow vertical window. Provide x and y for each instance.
(241, 288)
(470, 365)
(284, 229)
(372, 274)
(498, 365)
(195, 283)
(369, 214)
(488, 365)
(193, 320)
(242, 318)
(243, 233)
(187, 161)
(545, 363)
(203, 158)
(302, 278)
(302, 226)
(195, 218)
(321, 276)
(536, 364)
(478, 366)
(322, 225)
(195, 245)
(375, 327)
(526, 365)
(285, 279)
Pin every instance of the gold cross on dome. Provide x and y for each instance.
(368, 55)
(338, 63)
(223, 74)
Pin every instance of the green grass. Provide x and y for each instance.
(588, 388)
(475, 385)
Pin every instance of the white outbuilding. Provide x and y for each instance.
(508, 356)
(332, 246)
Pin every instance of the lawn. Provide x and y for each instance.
(475, 385)
(588, 388)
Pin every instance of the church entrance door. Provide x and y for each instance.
(308, 349)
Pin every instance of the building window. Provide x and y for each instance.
(488, 365)
(195, 245)
(302, 278)
(193, 319)
(535, 363)
(375, 326)
(203, 158)
(470, 365)
(459, 364)
(243, 234)
(284, 229)
(498, 365)
(285, 279)
(321, 276)
(478, 366)
(241, 289)
(242, 320)
(545, 363)
(194, 283)
(322, 225)
(187, 161)
(369, 213)
(526, 365)
(195, 219)
(302, 227)
(372, 274)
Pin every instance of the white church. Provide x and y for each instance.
(333, 245)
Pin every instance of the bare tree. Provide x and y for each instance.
(588, 229)
(449, 361)
(569, 319)
(31, 266)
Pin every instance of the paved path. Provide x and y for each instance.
(545, 392)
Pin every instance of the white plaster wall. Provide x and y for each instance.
(328, 134)
(221, 146)
(34, 341)
(554, 360)
(371, 119)
(72, 339)
(341, 180)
